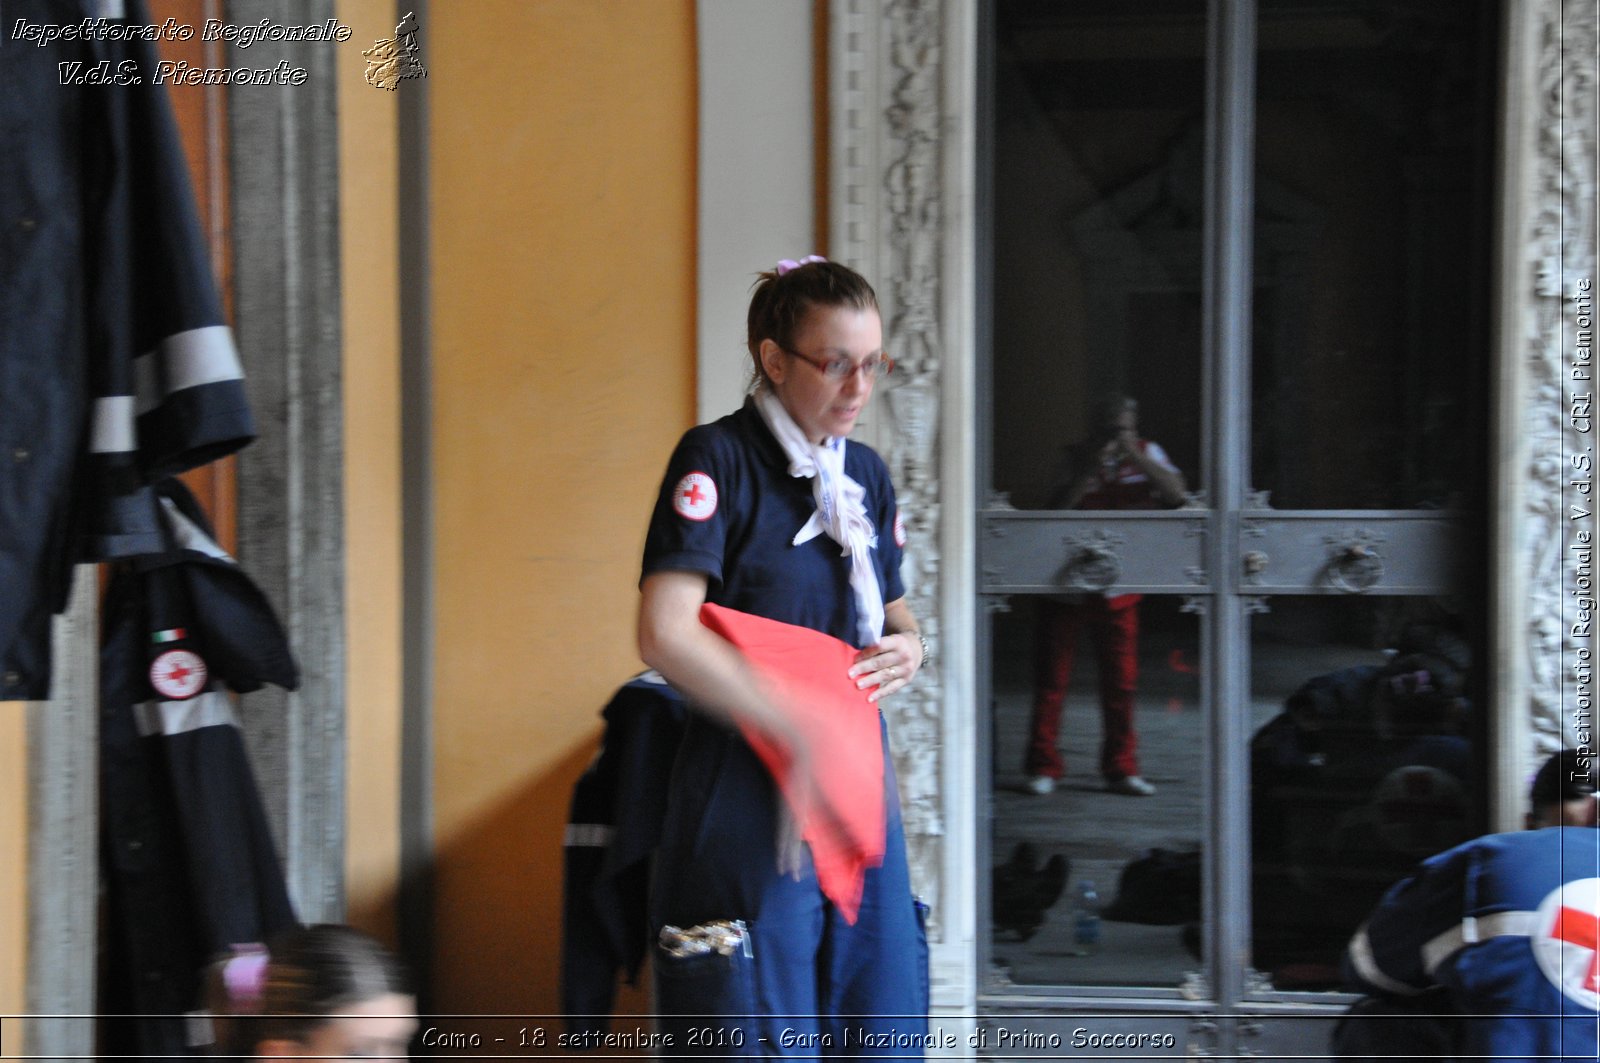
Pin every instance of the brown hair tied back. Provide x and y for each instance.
(314, 973)
(785, 295)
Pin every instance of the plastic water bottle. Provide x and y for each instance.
(1085, 919)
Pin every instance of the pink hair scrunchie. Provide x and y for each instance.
(244, 976)
(786, 264)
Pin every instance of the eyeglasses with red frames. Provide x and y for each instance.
(839, 369)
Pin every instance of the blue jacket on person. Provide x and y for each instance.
(1506, 926)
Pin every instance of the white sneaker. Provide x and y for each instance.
(1039, 785)
(1130, 786)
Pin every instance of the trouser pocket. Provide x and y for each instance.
(706, 989)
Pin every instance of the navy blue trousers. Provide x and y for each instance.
(805, 983)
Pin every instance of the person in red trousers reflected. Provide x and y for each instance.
(1113, 469)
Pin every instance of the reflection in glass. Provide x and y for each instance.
(1097, 231)
(1374, 155)
(1365, 758)
(1140, 853)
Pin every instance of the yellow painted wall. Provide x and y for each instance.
(563, 219)
(563, 169)
(369, 236)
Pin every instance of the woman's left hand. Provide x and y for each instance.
(888, 665)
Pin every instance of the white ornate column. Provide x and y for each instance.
(1547, 249)
(902, 160)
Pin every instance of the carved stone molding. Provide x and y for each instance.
(1556, 220)
(888, 193)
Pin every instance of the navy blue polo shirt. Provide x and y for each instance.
(729, 508)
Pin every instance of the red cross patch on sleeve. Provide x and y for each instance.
(178, 675)
(695, 497)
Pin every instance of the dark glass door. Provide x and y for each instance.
(1242, 247)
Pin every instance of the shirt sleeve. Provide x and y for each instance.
(1389, 952)
(1154, 452)
(166, 383)
(689, 526)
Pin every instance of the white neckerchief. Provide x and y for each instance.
(841, 512)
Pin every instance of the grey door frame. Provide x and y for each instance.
(1199, 552)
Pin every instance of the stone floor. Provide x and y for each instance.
(1101, 832)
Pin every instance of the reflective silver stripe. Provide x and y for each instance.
(211, 709)
(198, 1030)
(1366, 966)
(111, 426)
(188, 534)
(186, 360)
(589, 835)
(1473, 930)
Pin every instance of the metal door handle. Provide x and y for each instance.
(1355, 568)
(1091, 568)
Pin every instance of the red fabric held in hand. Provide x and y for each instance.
(807, 673)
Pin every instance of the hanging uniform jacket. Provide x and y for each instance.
(612, 832)
(116, 369)
(1507, 925)
(189, 862)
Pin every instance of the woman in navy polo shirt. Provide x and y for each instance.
(770, 511)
